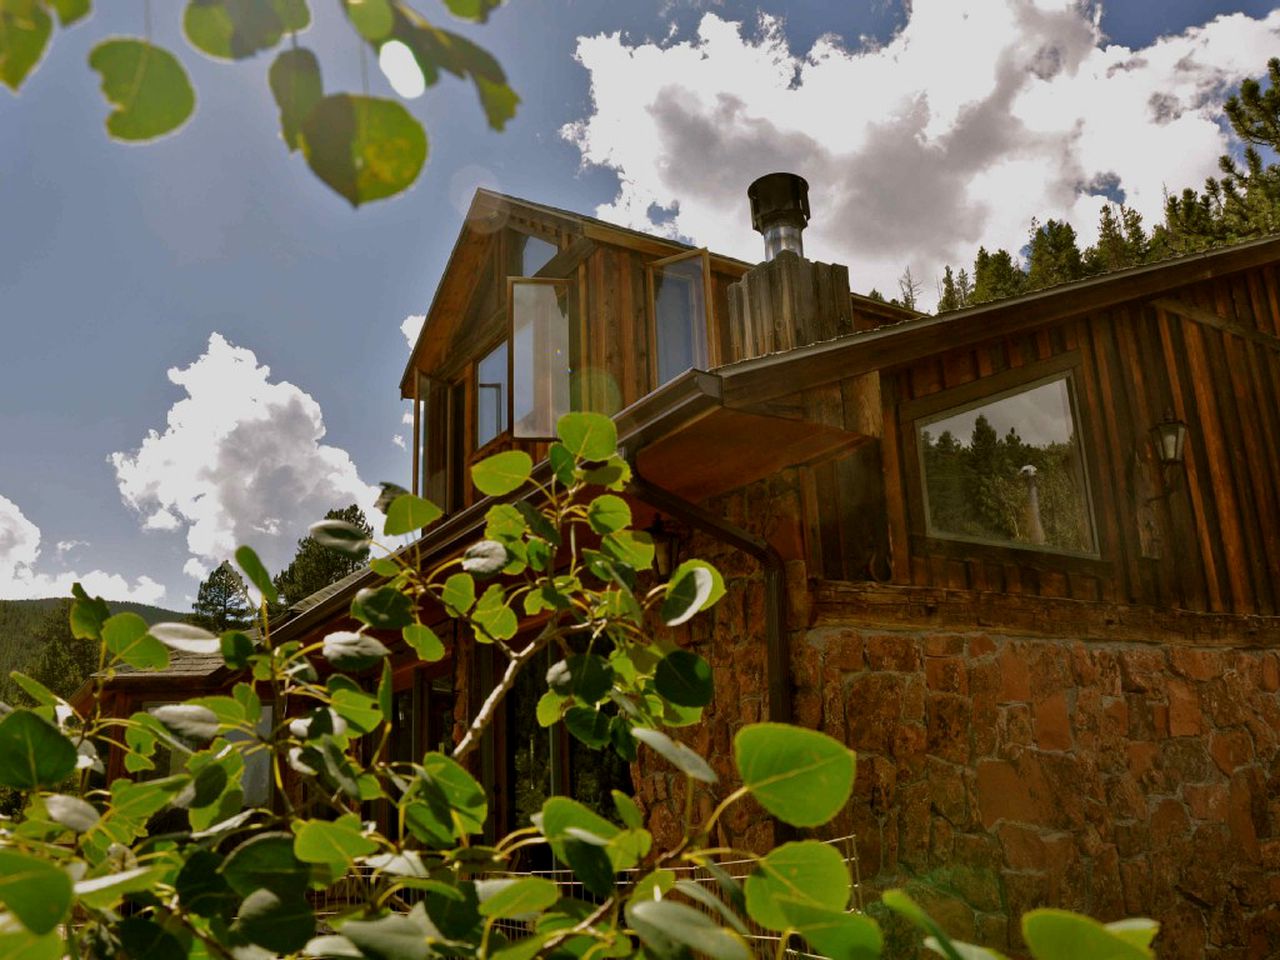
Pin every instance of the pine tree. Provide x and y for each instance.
(948, 294)
(1055, 257)
(996, 276)
(964, 288)
(315, 567)
(876, 295)
(222, 603)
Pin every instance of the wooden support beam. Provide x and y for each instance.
(1208, 318)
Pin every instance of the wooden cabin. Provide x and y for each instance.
(1023, 557)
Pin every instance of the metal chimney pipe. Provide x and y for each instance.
(780, 212)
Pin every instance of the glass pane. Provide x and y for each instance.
(540, 339)
(534, 254)
(1009, 471)
(679, 308)
(491, 395)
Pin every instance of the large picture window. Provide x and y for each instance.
(679, 307)
(1009, 470)
(540, 355)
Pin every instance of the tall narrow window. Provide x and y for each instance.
(540, 364)
(491, 395)
(1009, 469)
(678, 301)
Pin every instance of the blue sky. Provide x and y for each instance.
(118, 263)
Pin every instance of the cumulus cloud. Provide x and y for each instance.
(240, 462)
(411, 326)
(21, 580)
(66, 546)
(974, 118)
(398, 440)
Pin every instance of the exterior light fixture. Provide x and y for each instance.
(1169, 437)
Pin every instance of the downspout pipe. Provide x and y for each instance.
(777, 658)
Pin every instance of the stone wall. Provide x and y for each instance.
(1015, 752)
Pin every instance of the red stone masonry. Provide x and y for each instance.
(1016, 752)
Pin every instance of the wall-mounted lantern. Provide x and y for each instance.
(1169, 437)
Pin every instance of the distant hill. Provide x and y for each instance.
(21, 623)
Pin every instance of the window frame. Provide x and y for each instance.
(1066, 367)
(712, 346)
(568, 285)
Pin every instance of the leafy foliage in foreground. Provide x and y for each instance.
(364, 148)
(82, 875)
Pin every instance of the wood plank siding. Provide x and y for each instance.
(1207, 352)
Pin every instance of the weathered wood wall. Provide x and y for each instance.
(1210, 353)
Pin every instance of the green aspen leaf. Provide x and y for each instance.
(653, 885)
(188, 720)
(265, 861)
(372, 19)
(36, 891)
(608, 513)
(236, 648)
(201, 887)
(838, 935)
(684, 678)
(88, 614)
(475, 10)
(697, 891)
(33, 752)
(71, 812)
(588, 436)
(449, 781)
(631, 547)
(624, 744)
(386, 693)
(409, 512)
(661, 923)
(459, 594)
(492, 617)
(236, 29)
(901, 903)
(1139, 931)
(808, 872)
(70, 11)
(185, 636)
(127, 637)
(1062, 935)
(337, 841)
(358, 708)
(424, 642)
(628, 812)
(145, 938)
(538, 522)
(502, 473)
(103, 893)
(257, 573)
(364, 148)
(965, 951)
(563, 464)
(147, 86)
(24, 33)
(514, 898)
(613, 474)
(36, 690)
(384, 608)
(384, 567)
(548, 710)
(340, 536)
(281, 922)
(394, 937)
(802, 777)
(695, 586)
(504, 522)
(585, 676)
(679, 755)
(588, 724)
(353, 651)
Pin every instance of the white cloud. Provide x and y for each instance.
(398, 440)
(411, 326)
(240, 462)
(407, 418)
(66, 546)
(974, 118)
(20, 555)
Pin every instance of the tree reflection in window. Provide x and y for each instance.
(1009, 470)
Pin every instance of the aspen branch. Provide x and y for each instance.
(490, 706)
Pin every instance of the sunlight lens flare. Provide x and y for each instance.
(401, 70)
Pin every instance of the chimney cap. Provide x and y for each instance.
(779, 196)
